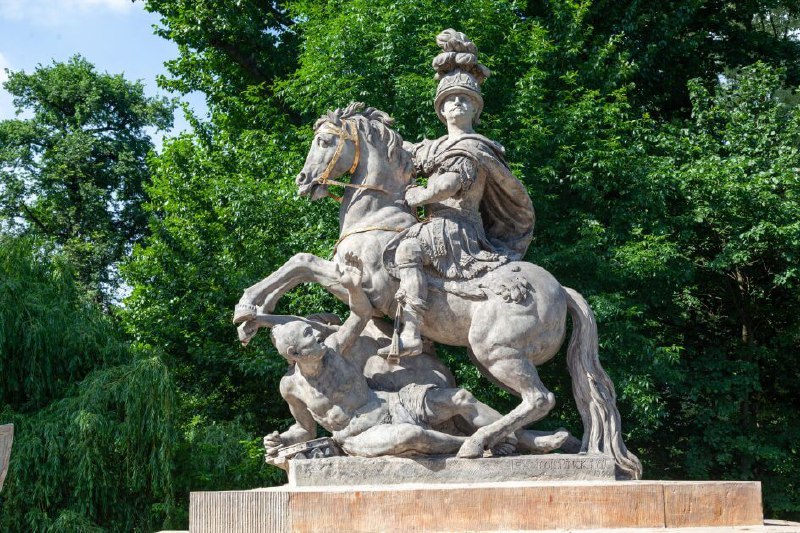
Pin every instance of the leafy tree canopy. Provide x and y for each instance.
(74, 172)
(644, 198)
(659, 142)
(95, 432)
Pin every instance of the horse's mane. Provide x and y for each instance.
(370, 122)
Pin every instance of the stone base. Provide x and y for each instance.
(510, 506)
(338, 471)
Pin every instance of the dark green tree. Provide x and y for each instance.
(668, 43)
(735, 168)
(94, 418)
(223, 202)
(229, 50)
(74, 172)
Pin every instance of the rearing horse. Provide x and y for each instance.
(512, 320)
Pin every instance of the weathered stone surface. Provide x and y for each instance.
(510, 506)
(333, 471)
(767, 527)
(690, 504)
(6, 439)
(455, 278)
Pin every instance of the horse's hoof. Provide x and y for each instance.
(471, 449)
(246, 332)
(244, 312)
(570, 444)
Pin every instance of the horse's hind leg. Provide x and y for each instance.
(516, 372)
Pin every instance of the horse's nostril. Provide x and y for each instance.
(301, 179)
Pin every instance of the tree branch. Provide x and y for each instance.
(41, 225)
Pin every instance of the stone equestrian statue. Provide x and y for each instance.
(456, 278)
(479, 215)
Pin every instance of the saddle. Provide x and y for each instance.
(504, 281)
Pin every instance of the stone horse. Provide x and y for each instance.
(511, 319)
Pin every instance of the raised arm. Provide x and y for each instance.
(360, 306)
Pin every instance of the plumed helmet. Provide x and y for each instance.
(458, 70)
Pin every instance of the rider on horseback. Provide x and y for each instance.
(479, 215)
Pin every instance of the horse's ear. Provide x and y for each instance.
(355, 107)
(333, 118)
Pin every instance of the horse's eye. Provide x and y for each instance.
(323, 142)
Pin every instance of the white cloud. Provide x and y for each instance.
(55, 12)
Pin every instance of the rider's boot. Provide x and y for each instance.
(411, 296)
(410, 336)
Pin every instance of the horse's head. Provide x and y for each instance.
(337, 149)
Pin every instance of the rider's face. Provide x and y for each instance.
(459, 109)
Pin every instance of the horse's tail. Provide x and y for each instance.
(594, 392)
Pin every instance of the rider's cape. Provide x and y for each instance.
(502, 231)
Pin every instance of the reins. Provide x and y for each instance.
(348, 132)
(363, 230)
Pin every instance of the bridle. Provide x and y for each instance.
(348, 132)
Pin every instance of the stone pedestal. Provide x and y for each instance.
(6, 440)
(338, 471)
(506, 506)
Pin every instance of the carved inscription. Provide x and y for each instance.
(583, 467)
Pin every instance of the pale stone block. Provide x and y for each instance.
(332, 471)
(6, 440)
(693, 504)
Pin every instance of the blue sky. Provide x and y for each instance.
(115, 35)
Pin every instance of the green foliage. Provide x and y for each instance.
(94, 419)
(223, 200)
(738, 222)
(41, 302)
(673, 41)
(212, 236)
(73, 173)
(232, 52)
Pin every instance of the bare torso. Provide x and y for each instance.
(336, 394)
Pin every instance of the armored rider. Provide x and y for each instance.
(479, 215)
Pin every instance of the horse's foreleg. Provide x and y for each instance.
(301, 268)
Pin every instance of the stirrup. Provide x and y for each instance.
(395, 351)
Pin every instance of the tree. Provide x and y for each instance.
(736, 169)
(229, 50)
(74, 172)
(223, 207)
(669, 43)
(95, 418)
